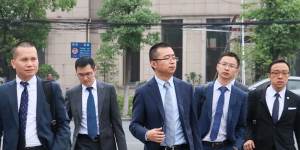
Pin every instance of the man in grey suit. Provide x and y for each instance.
(93, 105)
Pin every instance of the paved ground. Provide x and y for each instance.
(132, 142)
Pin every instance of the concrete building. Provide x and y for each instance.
(197, 48)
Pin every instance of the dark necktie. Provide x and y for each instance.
(169, 117)
(275, 110)
(218, 115)
(23, 109)
(91, 115)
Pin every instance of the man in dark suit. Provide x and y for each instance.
(25, 116)
(93, 105)
(273, 113)
(220, 108)
(161, 113)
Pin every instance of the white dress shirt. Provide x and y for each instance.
(179, 136)
(270, 98)
(216, 94)
(31, 137)
(85, 95)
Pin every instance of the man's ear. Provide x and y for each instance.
(153, 64)
(12, 62)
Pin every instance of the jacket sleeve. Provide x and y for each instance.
(116, 121)
(242, 123)
(68, 106)
(251, 115)
(62, 136)
(297, 122)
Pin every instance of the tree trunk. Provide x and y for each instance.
(127, 73)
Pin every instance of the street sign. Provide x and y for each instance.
(80, 49)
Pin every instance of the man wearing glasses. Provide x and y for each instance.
(161, 115)
(220, 108)
(273, 113)
(93, 105)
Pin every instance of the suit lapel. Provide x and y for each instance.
(13, 100)
(78, 101)
(263, 101)
(101, 95)
(232, 105)
(209, 99)
(156, 96)
(178, 96)
(287, 103)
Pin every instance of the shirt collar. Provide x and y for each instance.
(162, 82)
(273, 92)
(31, 81)
(218, 85)
(94, 85)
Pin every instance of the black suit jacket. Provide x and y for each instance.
(9, 120)
(263, 131)
(148, 112)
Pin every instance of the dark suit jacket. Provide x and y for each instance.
(241, 86)
(110, 124)
(9, 120)
(148, 111)
(236, 121)
(261, 128)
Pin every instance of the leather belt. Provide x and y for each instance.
(216, 145)
(34, 148)
(85, 136)
(176, 147)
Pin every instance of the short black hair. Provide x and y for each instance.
(276, 62)
(21, 44)
(84, 61)
(153, 49)
(230, 54)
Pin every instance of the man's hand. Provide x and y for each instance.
(249, 145)
(155, 135)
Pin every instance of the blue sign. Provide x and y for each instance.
(80, 49)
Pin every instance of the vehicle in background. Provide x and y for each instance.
(293, 84)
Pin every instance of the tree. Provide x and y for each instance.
(276, 40)
(45, 69)
(128, 19)
(25, 20)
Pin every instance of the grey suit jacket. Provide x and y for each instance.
(110, 124)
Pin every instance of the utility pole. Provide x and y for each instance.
(243, 46)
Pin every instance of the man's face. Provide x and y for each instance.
(279, 76)
(227, 68)
(165, 61)
(25, 62)
(86, 75)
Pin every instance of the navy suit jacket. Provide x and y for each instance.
(148, 111)
(9, 119)
(236, 121)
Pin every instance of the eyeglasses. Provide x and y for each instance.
(224, 64)
(168, 57)
(277, 73)
(82, 75)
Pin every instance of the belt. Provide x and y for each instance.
(85, 136)
(216, 145)
(176, 147)
(34, 148)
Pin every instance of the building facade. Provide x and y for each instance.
(196, 47)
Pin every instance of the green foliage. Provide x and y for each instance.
(22, 20)
(120, 100)
(105, 58)
(45, 69)
(276, 40)
(193, 78)
(129, 19)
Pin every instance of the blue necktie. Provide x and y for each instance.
(218, 115)
(275, 109)
(169, 117)
(23, 109)
(91, 115)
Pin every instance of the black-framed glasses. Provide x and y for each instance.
(82, 75)
(167, 58)
(277, 73)
(224, 64)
